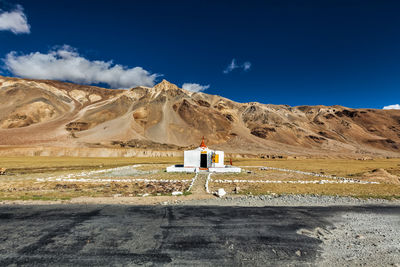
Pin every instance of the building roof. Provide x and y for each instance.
(203, 145)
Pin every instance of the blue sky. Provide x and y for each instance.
(280, 52)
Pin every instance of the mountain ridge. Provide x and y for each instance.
(60, 114)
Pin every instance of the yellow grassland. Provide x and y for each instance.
(386, 191)
(42, 164)
(21, 182)
(339, 167)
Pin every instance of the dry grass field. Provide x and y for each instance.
(350, 168)
(257, 174)
(49, 164)
(33, 190)
(339, 167)
(26, 177)
(385, 191)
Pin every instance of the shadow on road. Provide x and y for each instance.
(165, 235)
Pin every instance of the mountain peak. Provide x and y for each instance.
(62, 114)
(165, 85)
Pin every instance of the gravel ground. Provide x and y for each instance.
(288, 200)
(357, 237)
(362, 239)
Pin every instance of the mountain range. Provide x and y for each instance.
(53, 114)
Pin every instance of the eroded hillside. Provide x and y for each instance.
(57, 114)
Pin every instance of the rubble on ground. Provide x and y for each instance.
(221, 192)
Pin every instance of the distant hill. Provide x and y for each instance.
(165, 117)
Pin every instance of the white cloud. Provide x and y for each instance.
(246, 66)
(64, 63)
(395, 106)
(233, 65)
(14, 21)
(195, 87)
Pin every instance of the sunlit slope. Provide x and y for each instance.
(40, 112)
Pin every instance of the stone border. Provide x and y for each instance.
(192, 183)
(294, 182)
(207, 181)
(349, 180)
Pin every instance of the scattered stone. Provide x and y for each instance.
(360, 237)
(236, 190)
(145, 195)
(298, 253)
(221, 192)
(117, 195)
(3, 171)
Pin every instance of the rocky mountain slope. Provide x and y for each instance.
(165, 117)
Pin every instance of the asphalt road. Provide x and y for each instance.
(93, 235)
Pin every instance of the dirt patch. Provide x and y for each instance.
(63, 190)
(77, 126)
(381, 175)
(145, 144)
(387, 191)
(347, 113)
(262, 132)
(36, 112)
(317, 139)
(203, 103)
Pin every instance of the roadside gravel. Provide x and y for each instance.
(203, 199)
(289, 200)
(362, 239)
(356, 236)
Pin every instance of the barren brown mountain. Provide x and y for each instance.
(47, 115)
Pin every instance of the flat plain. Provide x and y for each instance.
(65, 178)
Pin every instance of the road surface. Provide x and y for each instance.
(122, 235)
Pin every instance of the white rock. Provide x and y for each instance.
(221, 192)
(177, 193)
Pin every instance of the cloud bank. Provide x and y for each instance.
(66, 64)
(195, 87)
(14, 21)
(395, 106)
(233, 65)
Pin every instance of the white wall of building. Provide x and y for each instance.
(225, 169)
(174, 168)
(220, 163)
(191, 158)
(192, 162)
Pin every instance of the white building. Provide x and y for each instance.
(203, 158)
